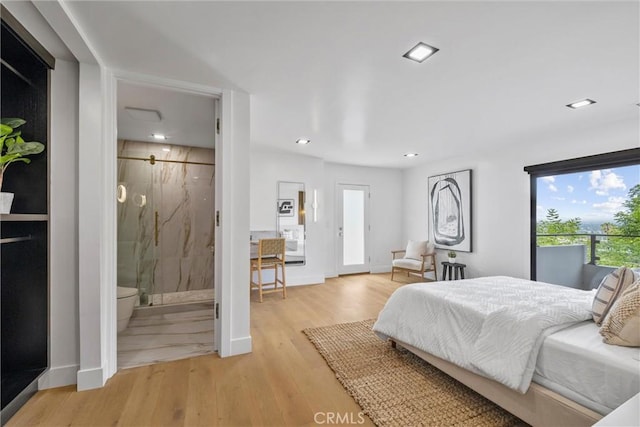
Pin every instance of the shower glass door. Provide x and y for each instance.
(166, 222)
(137, 227)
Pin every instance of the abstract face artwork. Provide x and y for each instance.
(450, 210)
(446, 205)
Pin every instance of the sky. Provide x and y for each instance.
(593, 196)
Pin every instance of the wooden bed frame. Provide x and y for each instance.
(539, 406)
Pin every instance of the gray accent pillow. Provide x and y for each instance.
(610, 288)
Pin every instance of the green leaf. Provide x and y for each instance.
(13, 122)
(13, 146)
(26, 148)
(8, 158)
(5, 129)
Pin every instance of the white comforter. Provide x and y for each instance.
(493, 326)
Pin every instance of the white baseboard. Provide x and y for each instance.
(59, 376)
(89, 379)
(240, 346)
(380, 269)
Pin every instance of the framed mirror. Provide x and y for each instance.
(290, 220)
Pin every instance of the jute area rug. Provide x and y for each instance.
(396, 388)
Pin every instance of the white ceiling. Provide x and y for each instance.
(186, 118)
(334, 72)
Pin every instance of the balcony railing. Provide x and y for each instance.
(618, 249)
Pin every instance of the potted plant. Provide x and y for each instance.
(452, 256)
(13, 149)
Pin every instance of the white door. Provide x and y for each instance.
(353, 228)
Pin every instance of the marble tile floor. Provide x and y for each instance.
(163, 333)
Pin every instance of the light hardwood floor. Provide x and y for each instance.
(284, 381)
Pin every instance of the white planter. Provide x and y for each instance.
(452, 260)
(6, 199)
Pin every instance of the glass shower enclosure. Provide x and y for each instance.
(166, 224)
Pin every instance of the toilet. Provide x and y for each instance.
(126, 301)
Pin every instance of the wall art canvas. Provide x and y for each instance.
(285, 207)
(449, 208)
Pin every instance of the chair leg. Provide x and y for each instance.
(275, 277)
(284, 283)
(260, 283)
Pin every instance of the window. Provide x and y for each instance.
(585, 212)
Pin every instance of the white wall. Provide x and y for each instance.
(267, 168)
(90, 214)
(500, 195)
(234, 275)
(63, 205)
(385, 211)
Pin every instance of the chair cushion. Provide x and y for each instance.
(415, 249)
(408, 263)
(622, 324)
(610, 288)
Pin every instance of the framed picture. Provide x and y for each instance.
(285, 207)
(449, 210)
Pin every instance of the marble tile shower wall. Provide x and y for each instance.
(183, 196)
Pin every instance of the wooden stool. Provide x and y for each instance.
(271, 253)
(452, 268)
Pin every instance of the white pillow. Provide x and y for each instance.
(416, 249)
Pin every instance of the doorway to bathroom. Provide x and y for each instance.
(166, 224)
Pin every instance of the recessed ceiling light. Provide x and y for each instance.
(303, 141)
(411, 155)
(166, 149)
(420, 52)
(158, 136)
(143, 114)
(581, 103)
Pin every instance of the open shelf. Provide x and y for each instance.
(24, 234)
(15, 239)
(24, 217)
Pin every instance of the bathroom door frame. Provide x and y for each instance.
(217, 97)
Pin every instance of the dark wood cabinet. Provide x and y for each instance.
(24, 248)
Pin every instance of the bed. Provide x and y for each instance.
(546, 364)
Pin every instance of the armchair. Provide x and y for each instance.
(419, 258)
